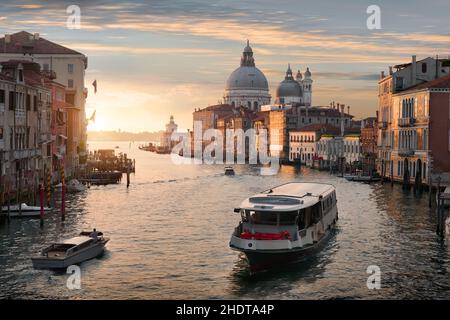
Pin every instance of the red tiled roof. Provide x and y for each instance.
(442, 82)
(324, 128)
(218, 107)
(24, 42)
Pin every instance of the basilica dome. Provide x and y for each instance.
(247, 86)
(247, 78)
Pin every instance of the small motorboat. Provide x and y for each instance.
(229, 171)
(360, 177)
(23, 210)
(74, 186)
(75, 250)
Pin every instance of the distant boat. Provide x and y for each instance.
(229, 171)
(74, 186)
(25, 211)
(71, 251)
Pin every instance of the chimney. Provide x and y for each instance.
(437, 67)
(390, 70)
(36, 36)
(413, 70)
(7, 38)
(382, 75)
(348, 109)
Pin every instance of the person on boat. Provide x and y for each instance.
(94, 234)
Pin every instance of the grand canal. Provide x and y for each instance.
(170, 231)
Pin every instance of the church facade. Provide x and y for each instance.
(247, 86)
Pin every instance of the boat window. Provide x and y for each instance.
(263, 217)
(288, 218)
(301, 222)
(270, 218)
(316, 213)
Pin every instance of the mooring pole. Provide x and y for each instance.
(49, 190)
(63, 195)
(9, 204)
(128, 175)
(41, 194)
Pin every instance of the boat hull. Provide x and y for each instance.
(262, 260)
(42, 262)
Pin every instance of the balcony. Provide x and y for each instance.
(50, 74)
(23, 154)
(406, 152)
(382, 125)
(406, 122)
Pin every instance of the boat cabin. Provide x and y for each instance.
(286, 211)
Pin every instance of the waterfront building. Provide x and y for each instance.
(369, 134)
(339, 149)
(58, 126)
(303, 143)
(421, 130)
(25, 127)
(69, 68)
(247, 86)
(406, 76)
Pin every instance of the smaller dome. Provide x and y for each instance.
(289, 87)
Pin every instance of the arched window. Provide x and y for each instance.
(233, 104)
(424, 68)
(255, 105)
(249, 104)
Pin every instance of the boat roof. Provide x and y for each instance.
(288, 197)
(77, 240)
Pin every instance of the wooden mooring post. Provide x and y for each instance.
(41, 196)
(63, 195)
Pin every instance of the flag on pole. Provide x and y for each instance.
(92, 118)
(95, 86)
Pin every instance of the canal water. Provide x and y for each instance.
(170, 232)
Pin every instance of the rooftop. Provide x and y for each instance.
(25, 42)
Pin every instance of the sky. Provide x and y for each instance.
(157, 58)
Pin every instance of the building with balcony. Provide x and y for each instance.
(25, 121)
(303, 142)
(66, 67)
(396, 118)
(421, 132)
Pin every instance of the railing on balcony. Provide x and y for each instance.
(406, 152)
(49, 74)
(406, 122)
(382, 125)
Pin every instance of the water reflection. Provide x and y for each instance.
(170, 232)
